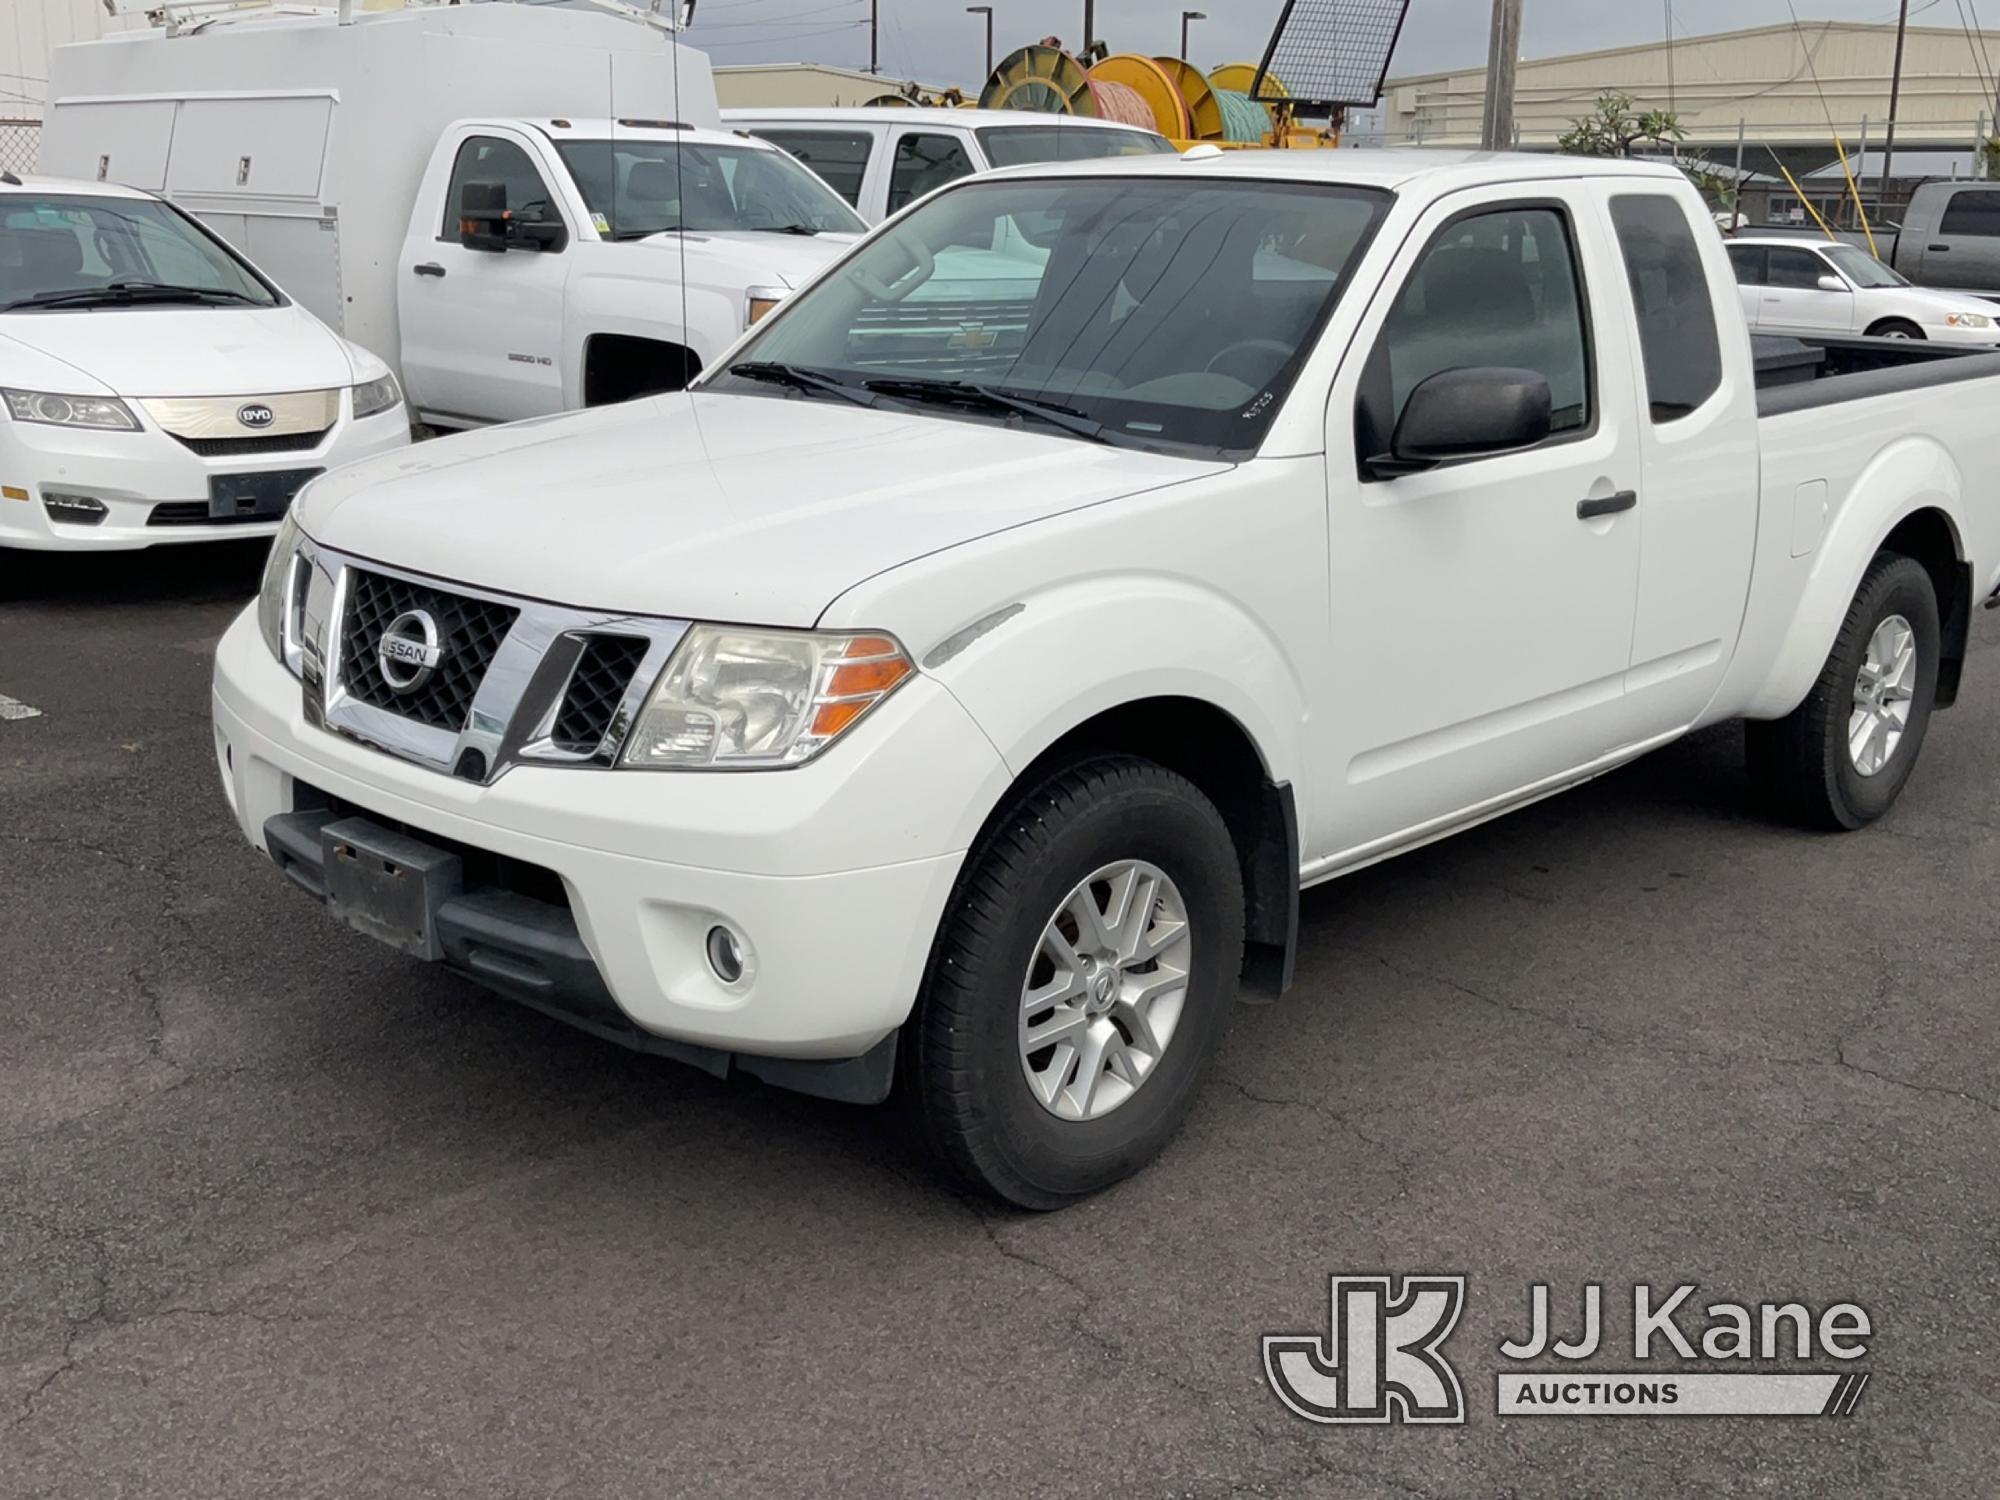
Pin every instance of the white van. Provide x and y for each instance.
(155, 386)
(362, 160)
(882, 158)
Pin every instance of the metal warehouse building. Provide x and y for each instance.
(1778, 85)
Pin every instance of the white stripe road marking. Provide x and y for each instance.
(14, 708)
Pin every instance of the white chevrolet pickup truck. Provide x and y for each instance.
(955, 689)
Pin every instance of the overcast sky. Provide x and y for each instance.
(937, 43)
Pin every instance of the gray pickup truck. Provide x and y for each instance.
(1951, 237)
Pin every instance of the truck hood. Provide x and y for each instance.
(748, 258)
(744, 509)
(177, 351)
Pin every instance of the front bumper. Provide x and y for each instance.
(835, 875)
(146, 480)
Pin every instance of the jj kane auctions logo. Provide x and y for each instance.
(1382, 1359)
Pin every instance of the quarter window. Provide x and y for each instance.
(1494, 289)
(924, 162)
(840, 158)
(1683, 354)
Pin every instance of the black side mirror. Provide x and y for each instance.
(1463, 414)
(482, 216)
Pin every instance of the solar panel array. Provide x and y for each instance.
(1331, 54)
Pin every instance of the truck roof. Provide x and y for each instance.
(584, 128)
(1390, 168)
(894, 114)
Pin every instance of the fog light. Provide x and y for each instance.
(725, 955)
(73, 510)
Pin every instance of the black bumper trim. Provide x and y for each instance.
(532, 952)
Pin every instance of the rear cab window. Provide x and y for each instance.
(1676, 315)
(923, 163)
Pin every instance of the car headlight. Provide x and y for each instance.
(376, 395)
(1967, 320)
(106, 413)
(734, 699)
(274, 597)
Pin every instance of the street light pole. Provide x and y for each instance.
(1895, 98)
(1187, 16)
(986, 11)
(1089, 25)
(1503, 56)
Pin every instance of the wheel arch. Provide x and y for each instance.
(1195, 738)
(1907, 500)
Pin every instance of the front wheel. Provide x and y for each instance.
(1841, 758)
(1895, 328)
(1081, 984)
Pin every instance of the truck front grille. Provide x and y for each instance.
(232, 447)
(470, 633)
(596, 688)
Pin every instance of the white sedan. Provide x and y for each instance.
(1815, 289)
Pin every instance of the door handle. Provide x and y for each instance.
(429, 268)
(1610, 505)
(1938, 249)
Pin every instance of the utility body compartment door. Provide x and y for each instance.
(1481, 623)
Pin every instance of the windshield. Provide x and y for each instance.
(1019, 145)
(1170, 313)
(1863, 269)
(90, 250)
(634, 188)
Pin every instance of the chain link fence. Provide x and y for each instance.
(20, 142)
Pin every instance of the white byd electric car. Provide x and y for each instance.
(154, 387)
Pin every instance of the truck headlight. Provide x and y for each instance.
(376, 395)
(274, 597)
(734, 699)
(106, 413)
(763, 301)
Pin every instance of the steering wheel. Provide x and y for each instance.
(908, 282)
(1279, 347)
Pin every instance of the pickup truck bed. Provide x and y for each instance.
(1801, 374)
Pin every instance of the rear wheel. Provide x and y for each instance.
(1081, 984)
(1842, 757)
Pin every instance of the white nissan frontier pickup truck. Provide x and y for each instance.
(955, 688)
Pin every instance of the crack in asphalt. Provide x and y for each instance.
(1839, 1061)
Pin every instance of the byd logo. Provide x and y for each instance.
(1382, 1362)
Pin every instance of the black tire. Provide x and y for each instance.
(1895, 328)
(1800, 766)
(963, 1072)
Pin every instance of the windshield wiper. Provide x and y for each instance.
(990, 398)
(126, 293)
(782, 229)
(645, 234)
(799, 378)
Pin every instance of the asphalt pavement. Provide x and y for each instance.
(285, 1214)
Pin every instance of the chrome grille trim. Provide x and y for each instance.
(201, 417)
(513, 716)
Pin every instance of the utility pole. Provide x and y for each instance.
(1895, 97)
(1089, 25)
(986, 11)
(1503, 56)
(874, 36)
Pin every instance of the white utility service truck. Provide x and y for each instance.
(523, 209)
(950, 696)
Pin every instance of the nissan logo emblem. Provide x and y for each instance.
(256, 414)
(409, 651)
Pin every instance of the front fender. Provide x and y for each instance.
(1073, 651)
(1907, 476)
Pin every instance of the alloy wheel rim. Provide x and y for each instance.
(1884, 691)
(1105, 990)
